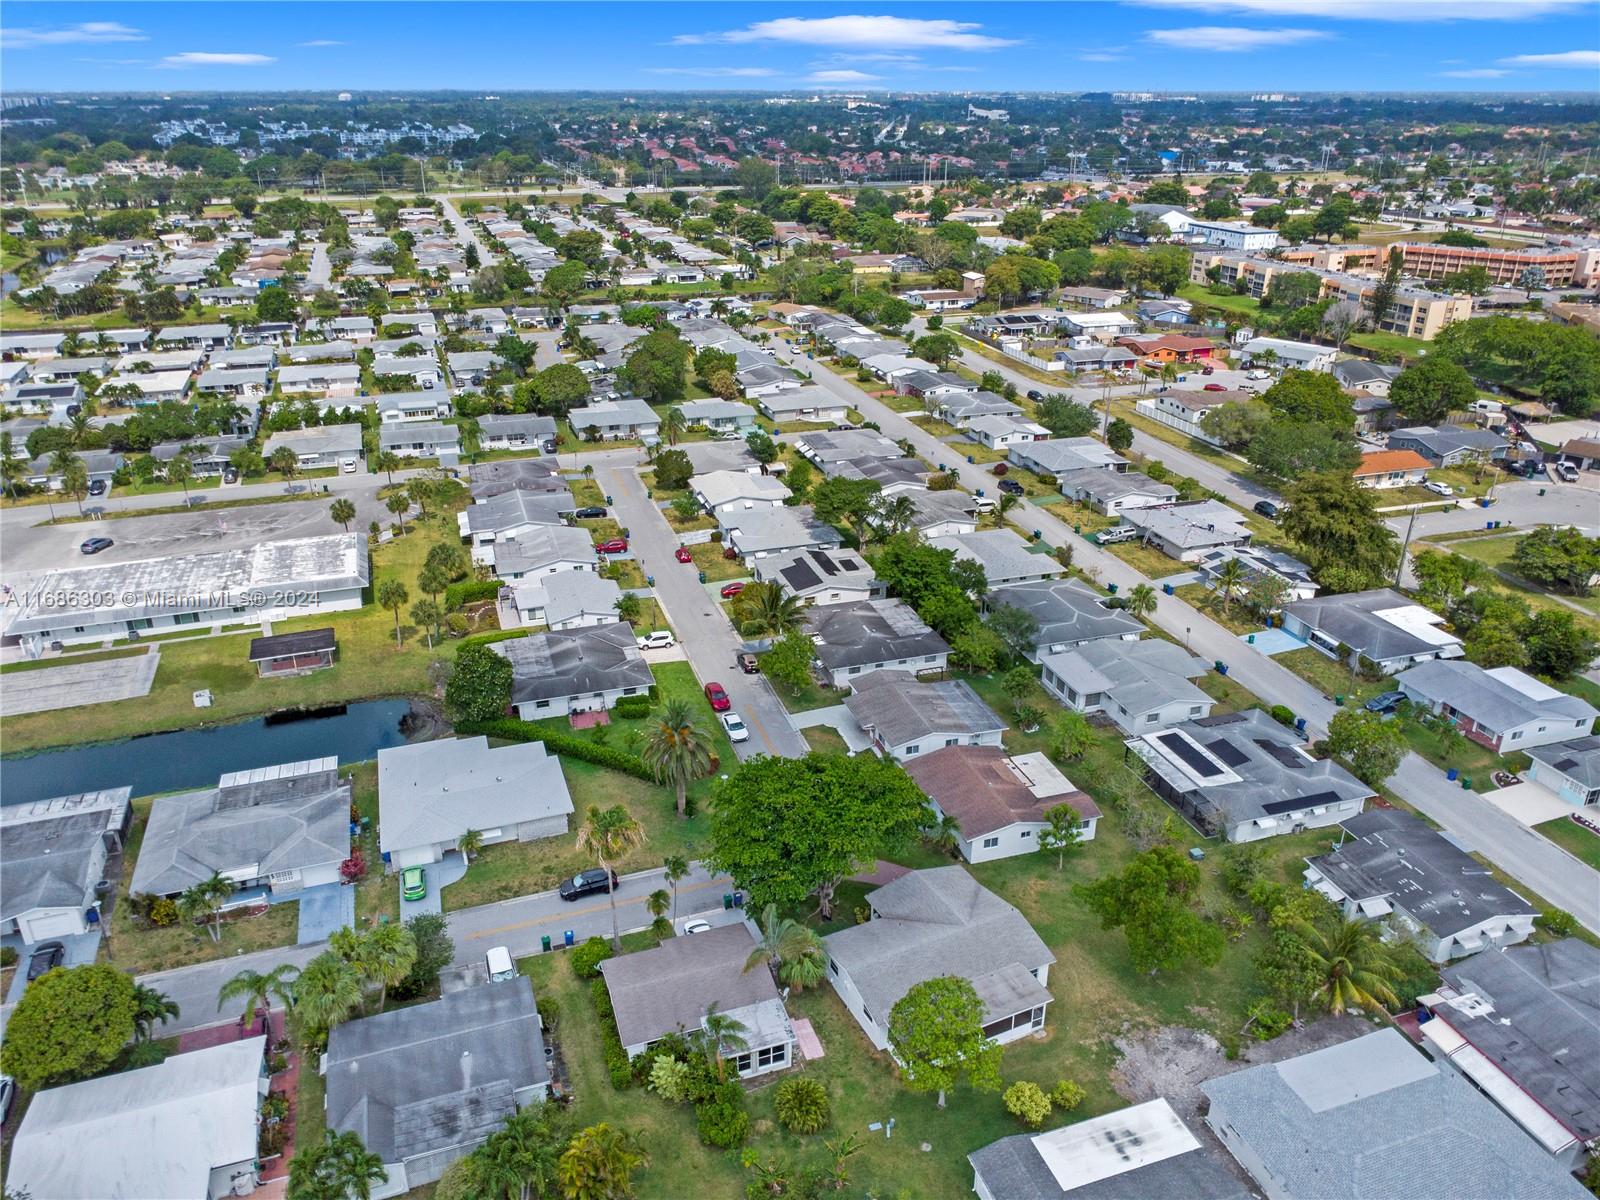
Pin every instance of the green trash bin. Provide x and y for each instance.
(544, 943)
(1338, 701)
(702, 576)
(727, 899)
(1466, 783)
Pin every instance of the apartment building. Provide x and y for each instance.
(1562, 266)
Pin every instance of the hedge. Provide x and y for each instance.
(632, 707)
(617, 1065)
(511, 729)
(469, 591)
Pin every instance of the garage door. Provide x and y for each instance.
(42, 926)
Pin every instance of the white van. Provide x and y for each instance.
(500, 965)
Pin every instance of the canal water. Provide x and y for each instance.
(195, 758)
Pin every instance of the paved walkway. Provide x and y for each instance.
(836, 717)
(806, 1038)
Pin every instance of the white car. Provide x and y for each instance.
(1439, 489)
(696, 925)
(737, 731)
(1258, 373)
(661, 639)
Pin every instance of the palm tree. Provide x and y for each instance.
(12, 467)
(469, 843)
(599, 1164)
(1229, 581)
(203, 902)
(180, 470)
(259, 989)
(764, 609)
(673, 424)
(894, 515)
(1142, 600)
(676, 750)
(327, 992)
(285, 462)
(674, 868)
(340, 1167)
(392, 595)
(1007, 501)
(388, 462)
(944, 834)
(519, 1159)
(792, 951)
(722, 1033)
(343, 511)
(151, 1006)
(381, 956)
(657, 903)
(397, 504)
(608, 834)
(1353, 965)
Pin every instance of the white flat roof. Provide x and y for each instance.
(1114, 1144)
(1421, 623)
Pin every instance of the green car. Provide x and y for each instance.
(413, 883)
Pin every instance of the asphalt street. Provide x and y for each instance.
(319, 273)
(693, 611)
(466, 235)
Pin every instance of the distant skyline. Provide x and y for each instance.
(1070, 45)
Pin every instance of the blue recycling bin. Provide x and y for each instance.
(1169, 589)
(969, 458)
(1300, 724)
(1451, 774)
(567, 937)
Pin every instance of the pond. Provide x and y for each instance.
(195, 758)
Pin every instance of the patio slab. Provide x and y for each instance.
(1529, 803)
(75, 684)
(1273, 641)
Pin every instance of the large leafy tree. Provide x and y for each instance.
(479, 688)
(1153, 901)
(657, 366)
(782, 851)
(936, 1033)
(340, 1167)
(435, 951)
(1371, 745)
(847, 502)
(1336, 523)
(71, 1023)
(1427, 392)
(1566, 559)
(1287, 448)
(599, 1164)
(1313, 397)
(558, 389)
(676, 749)
(788, 662)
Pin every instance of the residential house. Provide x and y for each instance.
(719, 416)
(1113, 492)
(1306, 1126)
(935, 923)
(431, 793)
(959, 409)
(235, 381)
(156, 387)
(1092, 297)
(1132, 1154)
(1057, 456)
(31, 345)
(1002, 432)
(1105, 325)
(575, 670)
(472, 368)
(1246, 777)
(1140, 685)
(516, 514)
(1379, 625)
(396, 407)
(942, 514)
(905, 717)
(58, 399)
(426, 1085)
(728, 493)
(535, 549)
(1280, 352)
(324, 378)
(1260, 563)
(1520, 1022)
(1393, 865)
(491, 479)
(1392, 469)
(186, 1127)
(858, 637)
(1358, 374)
(98, 465)
(1188, 532)
(998, 800)
(194, 337)
(309, 353)
(763, 530)
(1450, 445)
(1582, 453)
(422, 370)
(1003, 555)
(668, 990)
(53, 855)
(398, 324)
(514, 431)
(820, 576)
(318, 446)
(1231, 235)
(845, 445)
(614, 419)
(1097, 358)
(421, 439)
(1569, 769)
(271, 831)
(892, 475)
(1069, 613)
(1502, 708)
(809, 403)
(565, 600)
(1170, 348)
(1185, 410)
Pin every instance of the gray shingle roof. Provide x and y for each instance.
(1139, 676)
(1578, 759)
(899, 709)
(1490, 699)
(1066, 609)
(432, 792)
(1372, 1117)
(932, 923)
(48, 859)
(573, 662)
(871, 631)
(1002, 554)
(1352, 618)
(666, 989)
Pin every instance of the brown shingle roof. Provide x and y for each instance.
(979, 787)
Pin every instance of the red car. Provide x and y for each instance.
(1213, 387)
(718, 697)
(614, 546)
(682, 554)
(730, 590)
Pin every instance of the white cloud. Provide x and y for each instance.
(206, 58)
(866, 33)
(86, 32)
(842, 77)
(321, 42)
(1383, 10)
(1112, 55)
(714, 72)
(1581, 59)
(1230, 39)
(1476, 73)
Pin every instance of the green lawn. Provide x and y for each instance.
(1495, 552)
(1329, 677)
(586, 493)
(1445, 749)
(1081, 517)
(813, 695)
(1235, 618)
(1196, 293)
(1147, 560)
(708, 557)
(825, 740)
(1394, 343)
(1583, 844)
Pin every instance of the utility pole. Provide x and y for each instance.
(1405, 545)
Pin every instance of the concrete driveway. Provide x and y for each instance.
(324, 910)
(437, 876)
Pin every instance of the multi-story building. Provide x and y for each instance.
(1562, 266)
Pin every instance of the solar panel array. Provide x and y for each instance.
(1190, 753)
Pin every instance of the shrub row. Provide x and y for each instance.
(617, 1064)
(469, 591)
(513, 730)
(632, 707)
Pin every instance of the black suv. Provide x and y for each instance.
(584, 514)
(46, 956)
(1267, 509)
(586, 883)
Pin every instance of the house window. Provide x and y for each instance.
(913, 749)
(833, 967)
(1196, 709)
(990, 843)
(1027, 833)
(1151, 718)
(771, 1056)
(741, 1064)
(185, 618)
(952, 741)
(542, 704)
(1516, 736)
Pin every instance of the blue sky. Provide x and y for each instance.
(1299, 45)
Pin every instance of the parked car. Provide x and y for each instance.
(682, 554)
(1208, 370)
(748, 663)
(46, 956)
(1214, 387)
(587, 883)
(593, 512)
(230, 475)
(718, 697)
(1567, 472)
(348, 466)
(1011, 486)
(96, 544)
(1258, 373)
(730, 590)
(1439, 489)
(97, 487)
(661, 639)
(1385, 703)
(1266, 508)
(413, 883)
(697, 925)
(8, 1094)
(613, 546)
(1036, 396)
(843, 427)
(737, 731)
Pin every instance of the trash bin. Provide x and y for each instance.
(1251, 640)
(1466, 783)
(1300, 724)
(566, 937)
(609, 500)
(1169, 589)
(1222, 668)
(1338, 701)
(544, 943)
(702, 576)
(1112, 588)
(1451, 774)
(969, 458)
(1037, 536)
(738, 899)
(727, 900)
